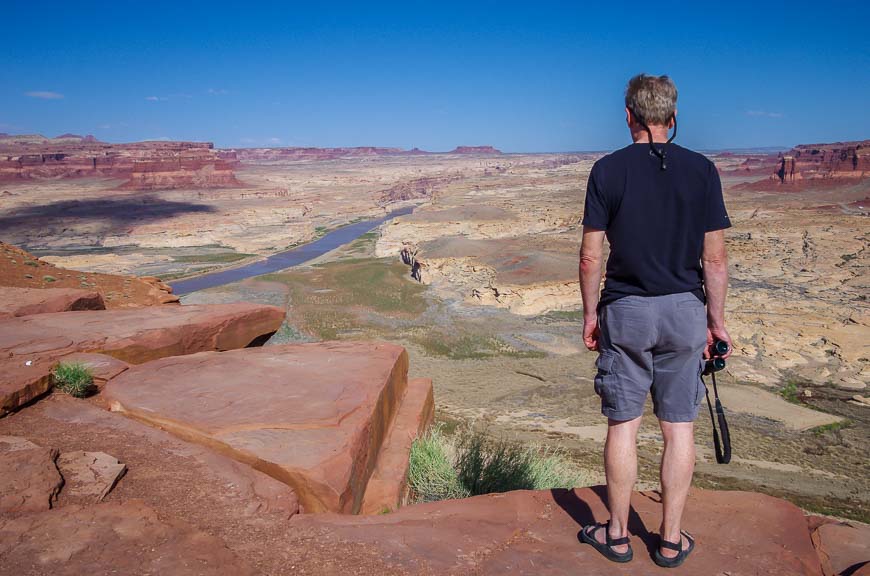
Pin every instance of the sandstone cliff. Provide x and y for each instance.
(145, 165)
(838, 160)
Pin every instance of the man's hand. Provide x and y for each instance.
(713, 334)
(591, 334)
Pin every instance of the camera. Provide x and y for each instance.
(716, 362)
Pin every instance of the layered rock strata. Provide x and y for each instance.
(145, 165)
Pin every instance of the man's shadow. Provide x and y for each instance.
(581, 513)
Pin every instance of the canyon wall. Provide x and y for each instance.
(838, 160)
(145, 165)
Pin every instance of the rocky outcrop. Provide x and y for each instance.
(139, 335)
(20, 269)
(27, 301)
(196, 169)
(31, 346)
(835, 161)
(145, 165)
(314, 416)
(415, 189)
(528, 533)
(121, 538)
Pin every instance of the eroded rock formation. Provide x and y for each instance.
(145, 165)
(20, 270)
(835, 161)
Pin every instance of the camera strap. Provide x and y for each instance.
(723, 449)
(660, 152)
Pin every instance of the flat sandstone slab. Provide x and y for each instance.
(30, 346)
(535, 534)
(27, 301)
(140, 334)
(111, 538)
(313, 416)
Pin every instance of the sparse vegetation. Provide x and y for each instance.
(565, 315)
(219, 258)
(470, 347)
(790, 392)
(833, 427)
(470, 463)
(49, 279)
(74, 379)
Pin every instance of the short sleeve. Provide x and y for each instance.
(717, 216)
(595, 212)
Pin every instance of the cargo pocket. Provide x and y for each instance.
(605, 379)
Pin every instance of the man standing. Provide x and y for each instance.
(663, 304)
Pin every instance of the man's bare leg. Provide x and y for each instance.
(620, 466)
(678, 464)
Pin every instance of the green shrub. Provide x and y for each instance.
(48, 278)
(790, 392)
(471, 463)
(431, 474)
(74, 379)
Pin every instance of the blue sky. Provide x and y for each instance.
(530, 76)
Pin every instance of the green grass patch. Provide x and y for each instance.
(49, 279)
(337, 297)
(470, 463)
(833, 427)
(73, 378)
(220, 258)
(470, 347)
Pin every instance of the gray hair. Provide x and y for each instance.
(653, 98)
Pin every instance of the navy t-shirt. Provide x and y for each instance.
(654, 219)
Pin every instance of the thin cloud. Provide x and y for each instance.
(274, 140)
(156, 98)
(217, 91)
(764, 113)
(44, 95)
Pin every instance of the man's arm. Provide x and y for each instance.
(591, 251)
(715, 261)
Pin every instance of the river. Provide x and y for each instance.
(286, 259)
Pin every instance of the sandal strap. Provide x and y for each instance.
(618, 541)
(672, 546)
(611, 542)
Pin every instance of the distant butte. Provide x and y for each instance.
(475, 150)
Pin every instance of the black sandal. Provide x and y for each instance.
(587, 535)
(666, 562)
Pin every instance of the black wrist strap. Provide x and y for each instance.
(723, 449)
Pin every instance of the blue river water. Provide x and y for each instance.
(286, 259)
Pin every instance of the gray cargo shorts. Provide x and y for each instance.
(652, 343)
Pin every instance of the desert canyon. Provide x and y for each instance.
(263, 425)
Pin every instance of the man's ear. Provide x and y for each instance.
(628, 118)
(673, 120)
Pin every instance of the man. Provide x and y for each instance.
(663, 304)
